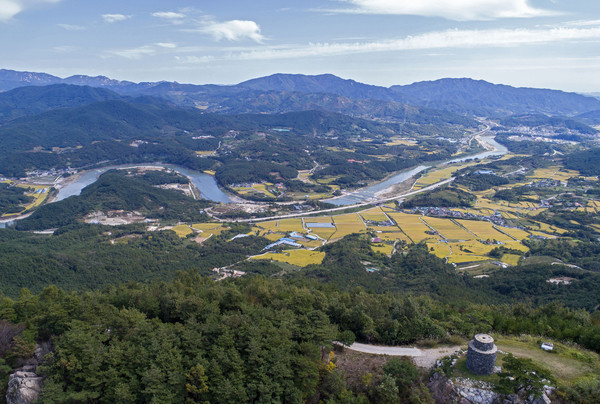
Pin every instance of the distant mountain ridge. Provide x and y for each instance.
(323, 83)
(476, 96)
(30, 100)
(23, 101)
(463, 96)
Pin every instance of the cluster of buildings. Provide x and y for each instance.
(53, 172)
(496, 218)
(545, 183)
(383, 223)
(292, 240)
(539, 135)
(222, 273)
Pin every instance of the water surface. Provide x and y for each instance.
(206, 184)
(366, 193)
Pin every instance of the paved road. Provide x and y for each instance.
(358, 205)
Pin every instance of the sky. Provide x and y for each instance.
(527, 43)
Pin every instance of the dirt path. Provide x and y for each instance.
(424, 357)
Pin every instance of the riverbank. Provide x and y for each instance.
(397, 182)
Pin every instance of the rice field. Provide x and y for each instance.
(517, 245)
(310, 243)
(554, 172)
(39, 194)
(290, 225)
(347, 224)
(484, 230)
(209, 228)
(383, 248)
(374, 214)
(544, 227)
(299, 258)
(441, 250)
(396, 141)
(471, 247)
(393, 235)
(448, 229)
(262, 188)
(182, 230)
(544, 173)
(324, 233)
(412, 226)
(206, 226)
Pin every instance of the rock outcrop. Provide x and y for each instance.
(24, 386)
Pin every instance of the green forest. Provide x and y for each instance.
(170, 309)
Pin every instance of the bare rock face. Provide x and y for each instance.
(23, 387)
(443, 391)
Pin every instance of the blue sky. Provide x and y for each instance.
(533, 43)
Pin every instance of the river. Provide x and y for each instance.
(206, 184)
(366, 193)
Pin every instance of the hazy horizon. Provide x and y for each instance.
(523, 43)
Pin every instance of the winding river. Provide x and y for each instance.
(206, 184)
(366, 193)
(208, 188)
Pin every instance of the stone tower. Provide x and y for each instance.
(481, 356)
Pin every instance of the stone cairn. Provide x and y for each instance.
(481, 356)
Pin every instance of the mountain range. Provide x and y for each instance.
(294, 92)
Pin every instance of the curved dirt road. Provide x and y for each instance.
(425, 357)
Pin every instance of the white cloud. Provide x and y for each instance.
(167, 45)
(234, 30)
(110, 18)
(169, 15)
(433, 40)
(70, 27)
(459, 10)
(10, 8)
(194, 59)
(134, 53)
(142, 51)
(584, 23)
(65, 49)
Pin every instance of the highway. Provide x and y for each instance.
(358, 205)
(373, 201)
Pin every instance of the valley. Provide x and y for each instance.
(273, 230)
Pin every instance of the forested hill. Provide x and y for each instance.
(33, 100)
(116, 119)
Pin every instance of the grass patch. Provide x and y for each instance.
(567, 363)
(300, 258)
(511, 259)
